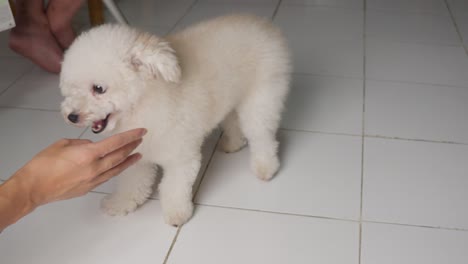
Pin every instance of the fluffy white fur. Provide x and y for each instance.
(232, 70)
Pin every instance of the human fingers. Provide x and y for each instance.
(114, 142)
(129, 161)
(116, 157)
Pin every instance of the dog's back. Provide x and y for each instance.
(229, 53)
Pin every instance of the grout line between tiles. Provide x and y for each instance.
(420, 83)
(276, 10)
(400, 11)
(174, 240)
(319, 132)
(30, 108)
(417, 140)
(320, 5)
(330, 218)
(292, 130)
(455, 24)
(363, 132)
(420, 226)
(326, 75)
(182, 17)
(278, 213)
(172, 244)
(207, 167)
(378, 80)
(374, 136)
(30, 69)
(391, 11)
(422, 43)
(360, 243)
(82, 133)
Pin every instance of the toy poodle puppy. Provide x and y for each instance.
(232, 71)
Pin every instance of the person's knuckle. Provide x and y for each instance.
(92, 151)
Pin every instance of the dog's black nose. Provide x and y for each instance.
(73, 118)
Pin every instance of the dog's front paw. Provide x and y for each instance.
(265, 169)
(177, 215)
(115, 204)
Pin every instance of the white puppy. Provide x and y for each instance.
(232, 70)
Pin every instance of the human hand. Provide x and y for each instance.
(72, 167)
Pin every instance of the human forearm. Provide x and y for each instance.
(14, 202)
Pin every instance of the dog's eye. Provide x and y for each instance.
(98, 89)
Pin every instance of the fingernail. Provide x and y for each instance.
(144, 131)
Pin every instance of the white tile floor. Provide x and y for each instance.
(374, 148)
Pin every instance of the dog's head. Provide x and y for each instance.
(106, 71)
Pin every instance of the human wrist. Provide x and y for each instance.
(13, 204)
(17, 192)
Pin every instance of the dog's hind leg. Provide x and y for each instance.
(259, 117)
(134, 187)
(232, 139)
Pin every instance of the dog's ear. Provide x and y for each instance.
(155, 58)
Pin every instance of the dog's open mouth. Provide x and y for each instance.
(100, 125)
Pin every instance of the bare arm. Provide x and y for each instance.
(68, 168)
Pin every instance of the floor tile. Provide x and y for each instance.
(75, 231)
(206, 10)
(217, 235)
(416, 111)
(461, 5)
(327, 104)
(309, 181)
(352, 4)
(36, 89)
(417, 183)
(459, 9)
(328, 23)
(24, 133)
(207, 151)
(252, 2)
(5, 50)
(11, 69)
(161, 13)
(463, 26)
(337, 52)
(317, 56)
(388, 244)
(407, 62)
(415, 27)
(416, 88)
(426, 6)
